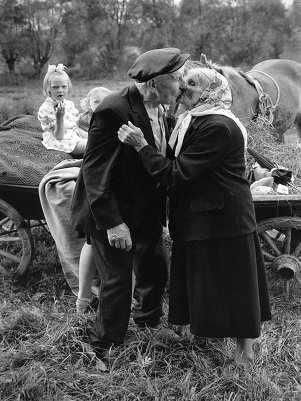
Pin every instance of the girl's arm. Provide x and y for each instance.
(59, 129)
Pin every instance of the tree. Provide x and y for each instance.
(157, 24)
(79, 28)
(293, 45)
(96, 32)
(118, 21)
(200, 26)
(231, 31)
(43, 19)
(98, 37)
(12, 26)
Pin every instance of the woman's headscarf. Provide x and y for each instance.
(216, 91)
(215, 98)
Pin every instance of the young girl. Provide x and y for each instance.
(59, 116)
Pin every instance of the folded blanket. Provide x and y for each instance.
(56, 191)
(23, 158)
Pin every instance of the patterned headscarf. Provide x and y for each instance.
(215, 98)
(216, 91)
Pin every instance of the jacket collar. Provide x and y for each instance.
(140, 116)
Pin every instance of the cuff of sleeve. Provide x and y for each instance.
(146, 149)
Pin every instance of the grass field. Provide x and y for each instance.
(43, 357)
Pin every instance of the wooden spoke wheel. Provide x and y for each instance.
(280, 239)
(16, 242)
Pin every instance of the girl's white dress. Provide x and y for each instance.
(47, 118)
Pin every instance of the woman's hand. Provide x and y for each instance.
(132, 136)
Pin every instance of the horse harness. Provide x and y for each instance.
(266, 107)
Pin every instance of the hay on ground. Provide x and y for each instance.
(263, 139)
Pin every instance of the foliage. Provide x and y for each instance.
(158, 24)
(43, 27)
(12, 24)
(31, 29)
(103, 29)
(232, 33)
(96, 37)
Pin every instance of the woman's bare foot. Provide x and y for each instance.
(244, 354)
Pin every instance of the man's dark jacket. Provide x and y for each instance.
(113, 186)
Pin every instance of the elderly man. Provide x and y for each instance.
(119, 207)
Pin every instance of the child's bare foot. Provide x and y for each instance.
(244, 354)
(82, 305)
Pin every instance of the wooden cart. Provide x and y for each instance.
(279, 227)
(20, 211)
(24, 161)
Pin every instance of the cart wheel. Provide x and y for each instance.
(281, 245)
(16, 242)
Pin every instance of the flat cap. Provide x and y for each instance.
(157, 62)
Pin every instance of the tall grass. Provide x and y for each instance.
(43, 355)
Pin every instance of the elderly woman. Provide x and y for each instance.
(216, 251)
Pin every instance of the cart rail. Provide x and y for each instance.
(276, 200)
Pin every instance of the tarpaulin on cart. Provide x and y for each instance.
(56, 191)
(23, 158)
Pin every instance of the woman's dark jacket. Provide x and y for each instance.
(209, 195)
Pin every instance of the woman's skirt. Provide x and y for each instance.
(219, 287)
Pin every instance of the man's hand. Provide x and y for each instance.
(120, 237)
(132, 136)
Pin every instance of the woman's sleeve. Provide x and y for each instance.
(204, 154)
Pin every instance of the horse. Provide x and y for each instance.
(270, 91)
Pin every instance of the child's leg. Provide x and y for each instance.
(87, 270)
(244, 351)
(80, 147)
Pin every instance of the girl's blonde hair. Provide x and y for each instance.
(55, 70)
